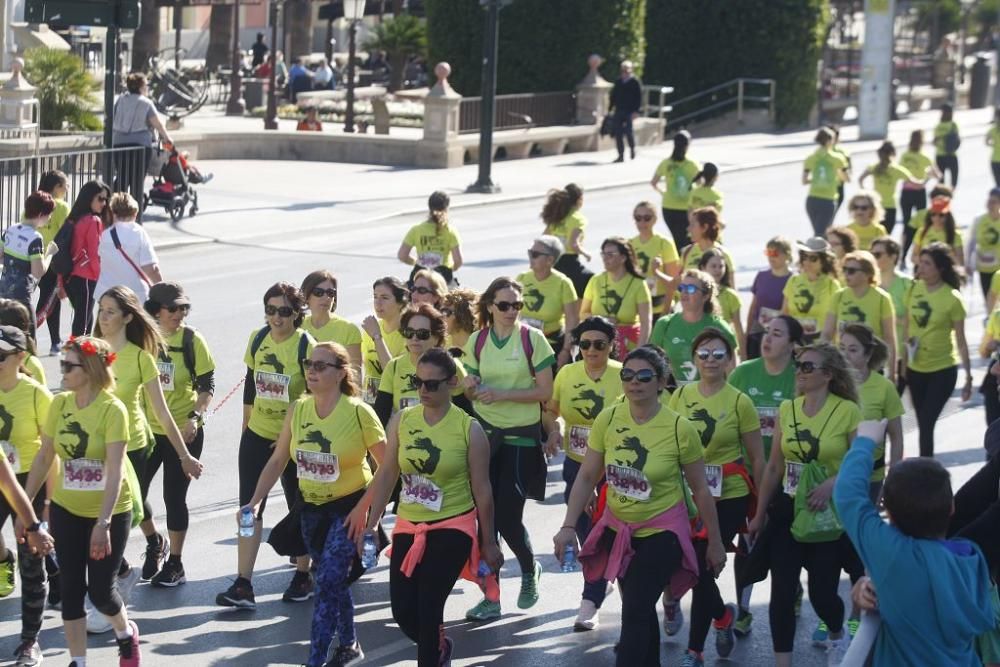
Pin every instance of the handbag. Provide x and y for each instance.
(812, 526)
(607, 128)
(138, 269)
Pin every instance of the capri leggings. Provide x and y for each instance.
(139, 458)
(592, 590)
(509, 471)
(32, 572)
(175, 482)
(255, 450)
(677, 223)
(79, 574)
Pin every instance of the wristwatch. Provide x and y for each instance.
(194, 414)
(33, 528)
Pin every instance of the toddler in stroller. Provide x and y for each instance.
(172, 185)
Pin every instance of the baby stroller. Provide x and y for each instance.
(171, 187)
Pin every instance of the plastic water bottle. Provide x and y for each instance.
(484, 570)
(246, 522)
(369, 553)
(569, 559)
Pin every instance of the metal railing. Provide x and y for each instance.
(660, 109)
(721, 98)
(520, 111)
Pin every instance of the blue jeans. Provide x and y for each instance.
(593, 591)
(334, 604)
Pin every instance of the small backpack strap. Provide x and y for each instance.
(258, 340)
(187, 351)
(529, 349)
(480, 343)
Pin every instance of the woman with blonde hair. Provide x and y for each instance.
(866, 212)
(427, 286)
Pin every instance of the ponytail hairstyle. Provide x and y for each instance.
(709, 172)
(349, 383)
(399, 291)
(842, 382)
(796, 333)
(142, 331)
(727, 276)
(824, 137)
(885, 154)
(916, 141)
(437, 206)
(875, 348)
(558, 205)
(682, 140)
(711, 222)
(487, 298)
(575, 193)
(51, 180)
(626, 249)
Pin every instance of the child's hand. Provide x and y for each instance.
(863, 595)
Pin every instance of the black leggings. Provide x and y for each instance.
(79, 574)
(175, 482)
(81, 296)
(140, 459)
(788, 556)
(32, 570)
(573, 268)
(677, 223)
(48, 289)
(707, 602)
(995, 166)
(930, 392)
(984, 282)
(255, 450)
(508, 468)
(910, 201)
(889, 220)
(418, 601)
(948, 163)
(977, 512)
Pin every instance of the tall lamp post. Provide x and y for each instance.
(271, 117)
(236, 106)
(484, 183)
(354, 11)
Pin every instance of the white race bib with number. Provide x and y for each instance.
(408, 401)
(429, 260)
(317, 466)
(273, 386)
(371, 389)
(629, 482)
(83, 475)
(766, 315)
(809, 324)
(713, 476)
(532, 322)
(579, 436)
(13, 458)
(418, 490)
(768, 419)
(166, 369)
(793, 471)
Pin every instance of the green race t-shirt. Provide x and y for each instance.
(868, 233)
(994, 134)
(809, 300)
(729, 302)
(824, 437)
(618, 300)
(396, 345)
(766, 392)
(581, 399)
(825, 168)
(897, 290)
(679, 177)
(176, 380)
(987, 244)
(932, 318)
(34, 368)
(674, 335)
(433, 247)
(545, 300)
(278, 378)
(871, 308)
(133, 368)
(706, 195)
(942, 130)
(337, 330)
(23, 411)
(397, 381)
(928, 235)
(879, 400)
(691, 256)
(55, 223)
(645, 252)
(887, 180)
(564, 230)
(916, 163)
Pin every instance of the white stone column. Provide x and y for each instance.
(593, 94)
(439, 146)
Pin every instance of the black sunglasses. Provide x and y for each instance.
(419, 334)
(447, 312)
(534, 254)
(645, 375)
(718, 355)
(429, 385)
(422, 290)
(284, 311)
(643, 218)
(598, 344)
(851, 270)
(318, 366)
(320, 292)
(173, 309)
(504, 306)
(67, 366)
(806, 367)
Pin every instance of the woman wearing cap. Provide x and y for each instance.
(563, 220)
(510, 375)
(187, 377)
(127, 254)
(705, 230)
(428, 286)
(275, 361)
(24, 407)
(24, 259)
(88, 428)
(581, 391)
(550, 301)
(808, 294)
(823, 172)
(620, 294)
(939, 227)
(935, 339)
(90, 215)
(382, 339)
(984, 242)
(322, 323)
(458, 309)
(677, 173)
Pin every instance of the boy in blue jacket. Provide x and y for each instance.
(933, 594)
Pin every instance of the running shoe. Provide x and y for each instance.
(673, 617)
(156, 553)
(744, 623)
(449, 649)
(725, 638)
(129, 654)
(798, 602)
(28, 654)
(170, 575)
(55, 349)
(529, 588)
(7, 574)
(692, 659)
(346, 655)
(300, 589)
(126, 583)
(484, 611)
(97, 623)
(852, 626)
(587, 618)
(838, 650)
(821, 635)
(240, 594)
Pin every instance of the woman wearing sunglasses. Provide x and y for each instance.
(658, 259)
(581, 392)
(459, 311)
(865, 215)
(428, 287)
(886, 252)
(728, 425)
(382, 340)
(713, 262)
(422, 328)
(91, 512)
(620, 294)
(641, 447)
(444, 524)
(90, 214)
(935, 339)
(510, 376)
(939, 227)
(322, 323)
(817, 426)
(807, 295)
(675, 332)
(326, 436)
(187, 377)
(767, 292)
(275, 360)
(550, 301)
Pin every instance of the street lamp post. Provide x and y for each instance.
(236, 106)
(271, 117)
(354, 11)
(491, 40)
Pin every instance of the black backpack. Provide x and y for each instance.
(62, 261)
(187, 352)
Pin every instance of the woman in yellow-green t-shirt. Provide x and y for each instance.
(435, 241)
(823, 172)
(620, 294)
(381, 339)
(677, 174)
(887, 174)
(807, 294)
(939, 227)
(921, 166)
(49, 304)
(323, 324)
(563, 220)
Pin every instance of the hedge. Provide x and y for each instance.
(543, 45)
(695, 45)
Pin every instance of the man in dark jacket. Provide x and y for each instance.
(626, 100)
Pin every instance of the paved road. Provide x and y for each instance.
(226, 281)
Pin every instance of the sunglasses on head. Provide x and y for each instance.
(318, 366)
(504, 306)
(644, 218)
(283, 311)
(644, 376)
(429, 385)
(534, 254)
(68, 366)
(705, 353)
(806, 367)
(173, 309)
(598, 345)
(321, 292)
(688, 288)
(419, 334)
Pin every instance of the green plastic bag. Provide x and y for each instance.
(810, 526)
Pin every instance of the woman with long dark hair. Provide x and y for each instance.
(678, 174)
(49, 304)
(90, 215)
(620, 294)
(939, 227)
(563, 220)
(887, 173)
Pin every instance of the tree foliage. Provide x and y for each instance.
(67, 92)
(400, 38)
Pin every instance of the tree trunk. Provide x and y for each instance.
(220, 37)
(146, 40)
(298, 28)
(397, 61)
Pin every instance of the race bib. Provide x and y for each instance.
(579, 436)
(532, 322)
(809, 324)
(988, 258)
(713, 476)
(317, 466)
(418, 490)
(793, 471)
(83, 475)
(408, 401)
(768, 418)
(166, 369)
(273, 386)
(13, 458)
(371, 390)
(766, 315)
(629, 482)
(430, 260)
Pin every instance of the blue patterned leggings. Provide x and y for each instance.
(334, 604)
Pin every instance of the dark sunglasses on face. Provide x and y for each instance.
(806, 367)
(422, 290)
(878, 255)
(644, 218)
(851, 270)
(504, 306)
(718, 355)
(173, 309)
(809, 257)
(320, 292)
(68, 366)
(860, 207)
(644, 376)
(429, 385)
(283, 311)
(419, 334)
(598, 345)
(534, 254)
(688, 288)
(318, 366)
(447, 312)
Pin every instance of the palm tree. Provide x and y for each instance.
(220, 38)
(146, 40)
(400, 37)
(67, 92)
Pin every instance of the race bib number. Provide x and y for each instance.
(768, 418)
(273, 386)
(13, 458)
(166, 369)
(629, 482)
(532, 322)
(765, 315)
(430, 260)
(83, 475)
(793, 471)
(371, 390)
(317, 466)
(713, 476)
(809, 324)
(418, 490)
(408, 401)
(579, 436)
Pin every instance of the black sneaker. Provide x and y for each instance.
(346, 655)
(155, 554)
(170, 575)
(301, 588)
(55, 595)
(240, 594)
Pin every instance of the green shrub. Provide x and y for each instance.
(67, 92)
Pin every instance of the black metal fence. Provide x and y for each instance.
(121, 168)
(520, 111)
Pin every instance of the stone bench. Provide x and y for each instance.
(919, 94)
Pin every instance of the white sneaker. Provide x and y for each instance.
(673, 617)
(127, 582)
(838, 649)
(98, 623)
(609, 589)
(587, 619)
